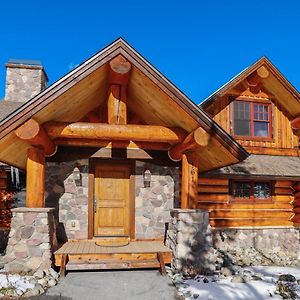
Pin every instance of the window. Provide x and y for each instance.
(250, 191)
(252, 119)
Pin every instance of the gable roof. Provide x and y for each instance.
(275, 84)
(150, 95)
(266, 166)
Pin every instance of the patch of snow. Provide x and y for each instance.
(216, 288)
(20, 283)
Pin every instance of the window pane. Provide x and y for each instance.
(241, 118)
(261, 129)
(262, 190)
(261, 112)
(242, 127)
(241, 189)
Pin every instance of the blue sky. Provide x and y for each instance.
(199, 45)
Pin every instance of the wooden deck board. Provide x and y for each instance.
(87, 247)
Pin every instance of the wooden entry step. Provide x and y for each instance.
(87, 255)
(113, 264)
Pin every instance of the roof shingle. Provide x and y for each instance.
(287, 167)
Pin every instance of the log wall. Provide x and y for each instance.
(296, 204)
(213, 195)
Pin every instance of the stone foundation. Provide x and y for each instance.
(153, 204)
(197, 249)
(31, 240)
(190, 239)
(69, 198)
(258, 246)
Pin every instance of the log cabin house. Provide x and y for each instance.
(109, 150)
(112, 147)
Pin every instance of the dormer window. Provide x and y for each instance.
(252, 119)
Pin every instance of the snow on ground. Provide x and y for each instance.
(218, 288)
(16, 283)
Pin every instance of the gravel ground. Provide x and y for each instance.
(112, 285)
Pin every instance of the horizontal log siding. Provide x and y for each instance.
(213, 195)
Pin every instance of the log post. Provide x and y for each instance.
(189, 180)
(35, 178)
(119, 71)
(33, 133)
(195, 140)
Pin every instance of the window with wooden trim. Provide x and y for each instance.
(252, 119)
(251, 190)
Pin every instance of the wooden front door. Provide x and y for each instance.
(111, 203)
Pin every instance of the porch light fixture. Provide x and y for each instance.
(77, 176)
(147, 178)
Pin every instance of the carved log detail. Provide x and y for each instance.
(195, 140)
(254, 79)
(33, 133)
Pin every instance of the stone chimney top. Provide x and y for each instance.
(24, 80)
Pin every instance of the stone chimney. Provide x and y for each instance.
(24, 80)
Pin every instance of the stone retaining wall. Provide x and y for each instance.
(258, 246)
(31, 242)
(153, 204)
(69, 198)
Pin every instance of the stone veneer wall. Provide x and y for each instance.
(69, 198)
(31, 242)
(190, 239)
(258, 246)
(24, 81)
(153, 204)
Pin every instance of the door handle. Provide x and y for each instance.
(95, 205)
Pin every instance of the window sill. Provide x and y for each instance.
(240, 201)
(254, 138)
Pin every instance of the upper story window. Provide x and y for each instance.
(252, 119)
(251, 191)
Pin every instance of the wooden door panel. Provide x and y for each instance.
(111, 200)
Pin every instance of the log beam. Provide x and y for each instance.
(35, 178)
(119, 72)
(107, 144)
(195, 140)
(140, 133)
(256, 77)
(189, 180)
(35, 135)
(296, 123)
(254, 80)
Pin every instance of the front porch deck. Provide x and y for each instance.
(87, 255)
